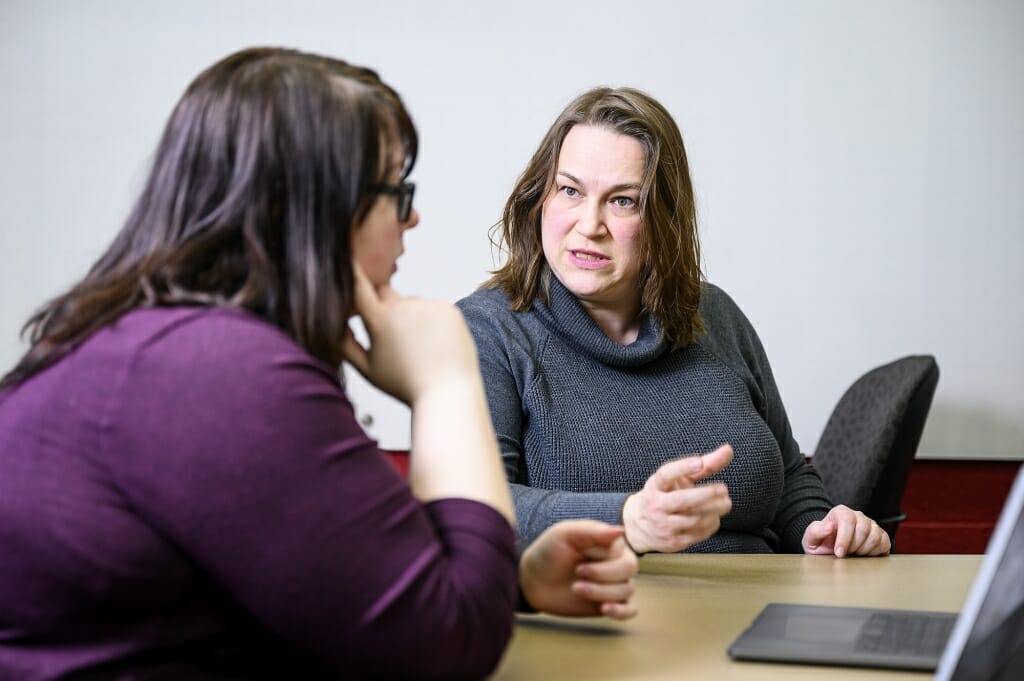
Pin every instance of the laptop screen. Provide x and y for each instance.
(988, 639)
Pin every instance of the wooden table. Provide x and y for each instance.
(693, 606)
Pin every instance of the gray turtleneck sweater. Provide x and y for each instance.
(583, 421)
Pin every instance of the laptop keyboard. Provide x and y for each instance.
(915, 634)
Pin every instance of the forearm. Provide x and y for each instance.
(803, 501)
(803, 498)
(450, 616)
(538, 509)
(454, 451)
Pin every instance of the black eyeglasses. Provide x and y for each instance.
(404, 193)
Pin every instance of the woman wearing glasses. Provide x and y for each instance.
(184, 490)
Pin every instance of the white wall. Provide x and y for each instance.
(859, 166)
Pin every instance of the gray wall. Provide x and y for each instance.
(858, 165)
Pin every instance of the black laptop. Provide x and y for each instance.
(986, 640)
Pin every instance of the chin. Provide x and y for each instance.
(582, 288)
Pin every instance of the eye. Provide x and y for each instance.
(568, 191)
(623, 202)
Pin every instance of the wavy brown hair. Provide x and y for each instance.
(669, 245)
(268, 162)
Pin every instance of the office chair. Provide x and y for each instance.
(866, 449)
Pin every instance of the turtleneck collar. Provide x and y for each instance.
(565, 317)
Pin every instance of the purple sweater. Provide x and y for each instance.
(188, 496)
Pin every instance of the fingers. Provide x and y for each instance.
(618, 592)
(364, 297)
(869, 538)
(684, 472)
(884, 544)
(609, 583)
(671, 475)
(845, 532)
(695, 517)
(817, 536)
(713, 498)
(713, 462)
(592, 538)
(619, 611)
(580, 568)
(354, 353)
(619, 565)
(669, 521)
(670, 513)
(862, 534)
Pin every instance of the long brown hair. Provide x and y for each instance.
(265, 167)
(670, 248)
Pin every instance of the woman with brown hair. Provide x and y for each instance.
(185, 492)
(606, 357)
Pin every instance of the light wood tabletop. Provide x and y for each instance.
(693, 606)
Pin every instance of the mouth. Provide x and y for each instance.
(588, 260)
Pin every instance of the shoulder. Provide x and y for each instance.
(500, 332)
(719, 309)
(223, 349)
(145, 327)
(725, 322)
(729, 335)
(487, 313)
(224, 380)
(485, 303)
(215, 331)
(732, 338)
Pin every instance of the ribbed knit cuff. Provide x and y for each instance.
(622, 521)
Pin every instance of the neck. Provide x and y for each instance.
(621, 325)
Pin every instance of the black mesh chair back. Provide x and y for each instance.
(866, 449)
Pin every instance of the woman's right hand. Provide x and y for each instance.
(415, 344)
(671, 513)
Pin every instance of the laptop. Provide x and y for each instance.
(986, 640)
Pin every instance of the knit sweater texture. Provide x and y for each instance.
(583, 421)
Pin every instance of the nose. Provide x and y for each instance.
(414, 219)
(590, 222)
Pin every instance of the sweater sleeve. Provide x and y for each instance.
(506, 380)
(803, 499)
(246, 454)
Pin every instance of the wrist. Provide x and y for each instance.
(524, 604)
(630, 532)
(524, 588)
(527, 584)
(454, 387)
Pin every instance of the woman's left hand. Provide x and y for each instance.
(580, 568)
(845, 532)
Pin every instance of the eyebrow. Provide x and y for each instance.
(614, 188)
